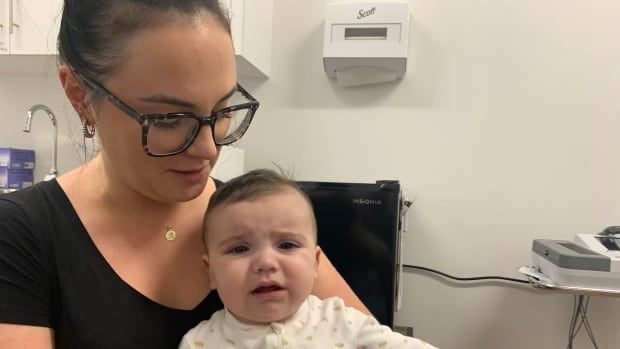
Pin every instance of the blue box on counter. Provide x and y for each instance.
(14, 158)
(15, 178)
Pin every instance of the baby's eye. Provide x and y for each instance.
(238, 250)
(287, 245)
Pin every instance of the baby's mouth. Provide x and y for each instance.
(266, 289)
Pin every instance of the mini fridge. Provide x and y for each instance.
(359, 229)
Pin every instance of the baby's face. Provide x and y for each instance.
(262, 256)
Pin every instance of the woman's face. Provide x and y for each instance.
(187, 65)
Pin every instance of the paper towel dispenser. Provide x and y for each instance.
(366, 42)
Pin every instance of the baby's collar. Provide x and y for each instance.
(300, 315)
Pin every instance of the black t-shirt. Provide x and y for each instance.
(52, 275)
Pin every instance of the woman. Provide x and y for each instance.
(108, 256)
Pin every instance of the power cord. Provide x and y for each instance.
(580, 304)
(580, 308)
(477, 278)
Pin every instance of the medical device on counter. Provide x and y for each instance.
(366, 42)
(359, 228)
(591, 262)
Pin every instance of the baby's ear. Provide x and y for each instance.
(205, 261)
(317, 258)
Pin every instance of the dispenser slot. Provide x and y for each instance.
(390, 33)
(365, 33)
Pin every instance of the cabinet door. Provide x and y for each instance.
(250, 22)
(37, 24)
(4, 27)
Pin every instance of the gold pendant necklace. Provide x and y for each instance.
(170, 234)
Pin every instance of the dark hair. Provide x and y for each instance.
(93, 33)
(254, 185)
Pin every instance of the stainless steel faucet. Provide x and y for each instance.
(53, 171)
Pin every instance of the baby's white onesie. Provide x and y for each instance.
(317, 324)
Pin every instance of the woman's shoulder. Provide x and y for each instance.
(31, 212)
(39, 197)
(26, 254)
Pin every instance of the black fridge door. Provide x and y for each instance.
(358, 230)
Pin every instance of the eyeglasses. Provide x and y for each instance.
(172, 133)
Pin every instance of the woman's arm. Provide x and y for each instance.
(329, 283)
(23, 282)
(20, 336)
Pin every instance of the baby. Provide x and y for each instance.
(262, 258)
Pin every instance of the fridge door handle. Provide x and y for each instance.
(404, 207)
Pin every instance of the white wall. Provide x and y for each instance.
(504, 129)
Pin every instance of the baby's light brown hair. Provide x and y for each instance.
(250, 186)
